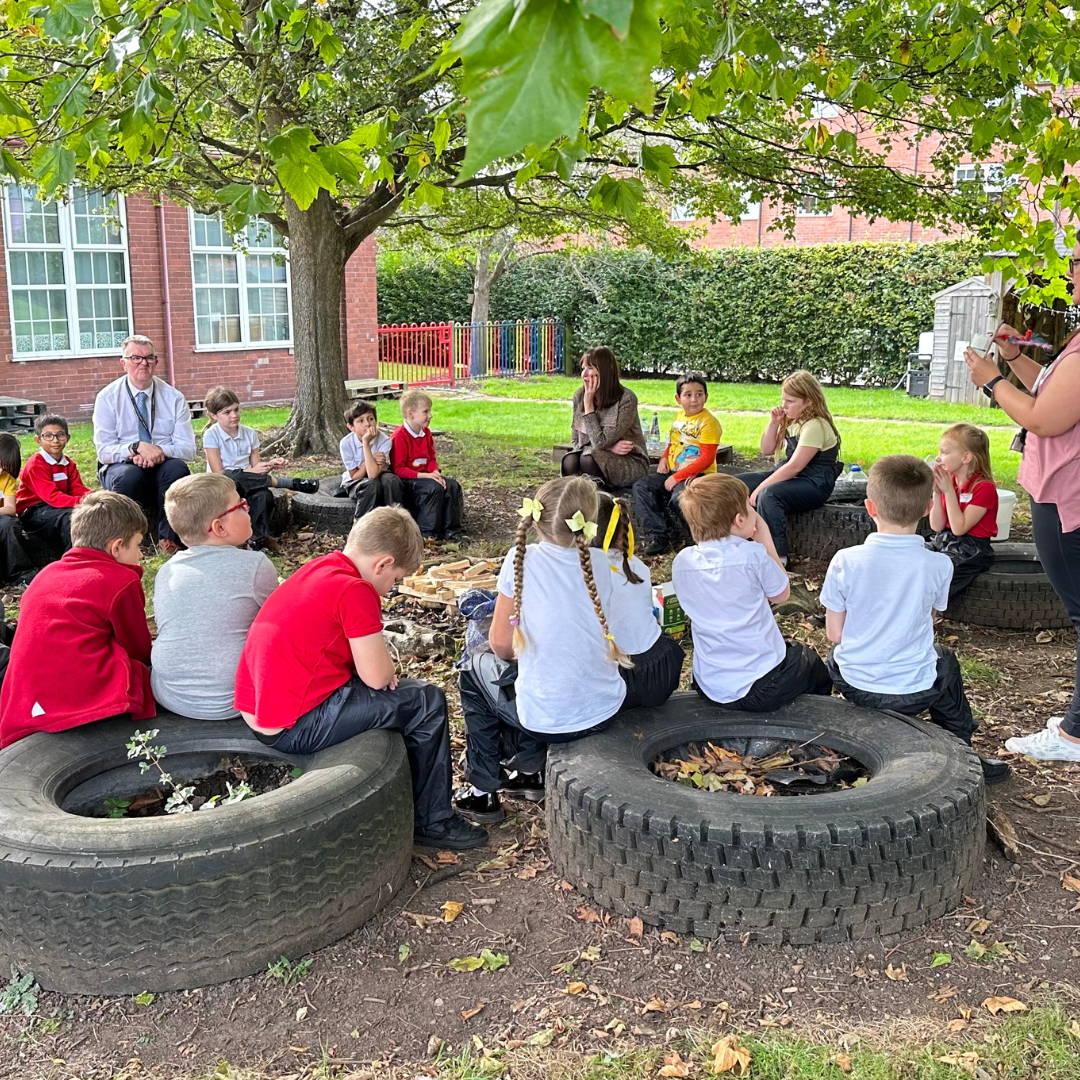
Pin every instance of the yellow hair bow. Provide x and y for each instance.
(531, 508)
(577, 523)
(613, 524)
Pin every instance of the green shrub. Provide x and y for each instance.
(843, 311)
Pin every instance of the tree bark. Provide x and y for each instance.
(485, 276)
(318, 251)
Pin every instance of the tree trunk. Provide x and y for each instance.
(485, 277)
(318, 252)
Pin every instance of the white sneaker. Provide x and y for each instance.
(1054, 723)
(1045, 745)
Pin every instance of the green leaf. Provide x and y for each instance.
(493, 961)
(616, 13)
(659, 159)
(404, 952)
(465, 963)
(941, 959)
(338, 163)
(55, 167)
(10, 107)
(247, 200)
(145, 998)
(441, 135)
(428, 194)
(412, 33)
(296, 773)
(68, 20)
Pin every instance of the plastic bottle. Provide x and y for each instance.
(653, 439)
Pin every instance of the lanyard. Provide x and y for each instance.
(153, 402)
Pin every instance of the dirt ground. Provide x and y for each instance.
(386, 995)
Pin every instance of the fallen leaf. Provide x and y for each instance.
(695, 1004)
(145, 998)
(431, 864)
(697, 945)
(404, 952)
(945, 993)
(897, 974)
(422, 921)
(451, 910)
(669, 936)
(526, 873)
(577, 988)
(1071, 883)
(465, 963)
(591, 954)
(1041, 800)
(655, 1005)
(968, 1061)
(842, 1062)
(1043, 636)
(978, 926)
(301, 1012)
(564, 886)
(468, 1014)
(957, 1025)
(635, 926)
(674, 1065)
(541, 1038)
(995, 1005)
(729, 1056)
(941, 959)
(1074, 1029)
(588, 915)
(493, 961)
(447, 858)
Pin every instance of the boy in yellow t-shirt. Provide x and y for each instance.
(691, 451)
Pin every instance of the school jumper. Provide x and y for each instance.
(809, 489)
(82, 652)
(49, 490)
(970, 554)
(384, 490)
(437, 509)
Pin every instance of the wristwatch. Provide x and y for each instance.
(988, 389)
(133, 448)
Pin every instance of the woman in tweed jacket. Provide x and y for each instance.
(608, 441)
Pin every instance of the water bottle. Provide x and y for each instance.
(653, 439)
(854, 471)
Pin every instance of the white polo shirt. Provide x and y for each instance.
(889, 587)
(235, 452)
(630, 613)
(724, 587)
(352, 452)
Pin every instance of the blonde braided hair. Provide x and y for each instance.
(561, 499)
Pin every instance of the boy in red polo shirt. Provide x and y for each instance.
(434, 498)
(82, 652)
(315, 669)
(50, 486)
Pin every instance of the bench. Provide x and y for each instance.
(724, 453)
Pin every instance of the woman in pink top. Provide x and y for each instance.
(1050, 473)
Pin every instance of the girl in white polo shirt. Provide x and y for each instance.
(570, 677)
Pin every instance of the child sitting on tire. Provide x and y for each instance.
(82, 652)
(727, 583)
(879, 600)
(315, 669)
(368, 478)
(16, 566)
(232, 448)
(217, 582)
(572, 674)
(964, 513)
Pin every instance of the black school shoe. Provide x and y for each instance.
(454, 834)
(994, 771)
(307, 484)
(526, 786)
(485, 808)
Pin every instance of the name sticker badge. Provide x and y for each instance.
(418, 461)
(59, 475)
(966, 497)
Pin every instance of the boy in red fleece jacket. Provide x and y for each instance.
(433, 499)
(50, 486)
(82, 652)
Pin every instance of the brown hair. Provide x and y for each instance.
(388, 530)
(562, 499)
(711, 503)
(803, 385)
(48, 420)
(193, 502)
(900, 486)
(974, 441)
(358, 409)
(607, 367)
(620, 537)
(10, 454)
(218, 398)
(105, 516)
(414, 399)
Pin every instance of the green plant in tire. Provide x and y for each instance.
(20, 994)
(288, 971)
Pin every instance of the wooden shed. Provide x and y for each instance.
(962, 312)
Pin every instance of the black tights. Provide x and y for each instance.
(576, 462)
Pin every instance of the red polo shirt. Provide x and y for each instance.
(978, 491)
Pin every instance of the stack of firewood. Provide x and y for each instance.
(442, 584)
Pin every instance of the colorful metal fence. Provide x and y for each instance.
(432, 354)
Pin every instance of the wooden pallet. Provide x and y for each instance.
(373, 389)
(724, 453)
(198, 408)
(18, 414)
(439, 586)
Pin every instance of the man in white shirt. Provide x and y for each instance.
(143, 434)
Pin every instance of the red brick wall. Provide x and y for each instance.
(260, 374)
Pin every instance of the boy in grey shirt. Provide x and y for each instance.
(205, 598)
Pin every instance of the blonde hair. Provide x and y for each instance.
(414, 399)
(105, 516)
(900, 486)
(562, 499)
(974, 441)
(193, 502)
(711, 503)
(803, 385)
(388, 530)
(620, 537)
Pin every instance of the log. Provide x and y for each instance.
(408, 639)
(1001, 829)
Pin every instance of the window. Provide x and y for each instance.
(67, 272)
(242, 294)
(992, 177)
(812, 206)
(683, 212)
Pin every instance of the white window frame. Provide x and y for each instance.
(68, 248)
(991, 173)
(238, 249)
(802, 211)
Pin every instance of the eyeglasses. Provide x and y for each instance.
(141, 361)
(241, 505)
(1072, 265)
(55, 436)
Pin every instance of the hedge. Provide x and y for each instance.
(844, 311)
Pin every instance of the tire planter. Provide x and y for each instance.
(321, 510)
(280, 512)
(100, 906)
(886, 857)
(819, 534)
(1014, 594)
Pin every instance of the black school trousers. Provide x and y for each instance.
(146, 486)
(49, 522)
(437, 509)
(801, 671)
(494, 736)
(796, 495)
(385, 490)
(652, 503)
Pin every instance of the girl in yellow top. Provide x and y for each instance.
(802, 427)
(16, 566)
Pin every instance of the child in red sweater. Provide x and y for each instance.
(82, 652)
(50, 486)
(433, 499)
